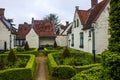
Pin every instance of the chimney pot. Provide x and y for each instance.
(93, 3)
(2, 11)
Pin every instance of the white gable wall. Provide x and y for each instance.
(4, 36)
(101, 31)
(33, 39)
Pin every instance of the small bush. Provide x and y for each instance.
(66, 53)
(11, 56)
(55, 44)
(26, 47)
(20, 49)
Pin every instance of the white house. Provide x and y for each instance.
(7, 32)
(62, 34)
(38, 34)
(90, 28)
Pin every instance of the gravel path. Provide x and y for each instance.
(41, 73)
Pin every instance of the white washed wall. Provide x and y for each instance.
(101, 31)
(61, 40)
(33, 39)
(4, 36)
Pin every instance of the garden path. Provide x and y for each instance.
(41, 71)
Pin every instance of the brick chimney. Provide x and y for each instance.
(2, 11)
(67, 23)
(93, 3)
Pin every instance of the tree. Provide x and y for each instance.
(53, 18)
(111, 57)
(26, 47)
(11, 56)
(114, 22)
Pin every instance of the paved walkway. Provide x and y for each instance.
(41, 73)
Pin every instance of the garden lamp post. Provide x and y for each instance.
(93, 40)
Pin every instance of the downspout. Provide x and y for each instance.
(93, 41)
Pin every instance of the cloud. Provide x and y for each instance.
(23, 10)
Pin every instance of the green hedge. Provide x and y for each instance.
(48, 51)
(65, 71)
(94, 73)
(61, 71)
(111, 64)
(26, 73)
(85, 67)
(33, 51)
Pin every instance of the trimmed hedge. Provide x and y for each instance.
(48, 51)
(90, 74)
(60, 71)
(65, 71)
(26, 73)
(33, 51)
(111, 64)
(85, 67)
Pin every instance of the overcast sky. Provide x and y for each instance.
(23, 10)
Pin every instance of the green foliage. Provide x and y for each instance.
(85, 67)
(49, 50)
(20, 49)
(111, 64)
(95, 73)
(114, 23)
(55, 44)
(18, 73)
(26, 47)
(11, 56)
(64, 71)
(66, 53)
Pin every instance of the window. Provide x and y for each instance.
(74, 24)
(89, 34)
(81, 40)
(77, 23)
(72, 40)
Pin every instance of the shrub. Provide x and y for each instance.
(20, 49)
(26, 47)
(90, 74)
(66, 53)
(11, 56)
(55, 44)
(111, 64)
(64, 71)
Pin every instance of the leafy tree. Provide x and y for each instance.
(26, 47)
(114, 22)
(11, 56)
(111, 57)
(53, 18)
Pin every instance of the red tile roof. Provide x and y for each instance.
(63, 27)
(83, 15)
(95, 12)
(23, 30)
(87, 17)
(41, 27)
(44, 28)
